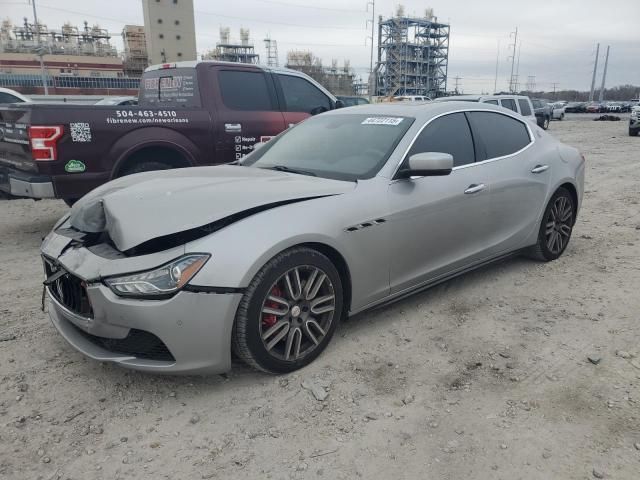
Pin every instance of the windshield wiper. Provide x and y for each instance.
(284, 168)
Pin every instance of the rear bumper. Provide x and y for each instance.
(25, 184)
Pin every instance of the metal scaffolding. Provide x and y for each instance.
(412, 55)
(227, 51)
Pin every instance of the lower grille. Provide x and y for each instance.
(69, 290)
(138, 343)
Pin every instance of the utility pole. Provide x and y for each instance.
(372, 80)
(513, 58)
(604, 75)
(531, 83)
(457, 79)
(595, 69)
(40, 50)
(555, 85)
(495, 81)
(518, 69)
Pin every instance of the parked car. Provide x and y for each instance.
(122, 101)
(170, 271)
(557, 110)
(352, 101)
(517, 103)
(11, 96)
(543, 112)
(575, 107)
(189, 113)
(411, 98)
(634, 122)
(595, 107)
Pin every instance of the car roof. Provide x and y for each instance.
(418, 110)
(195, 63)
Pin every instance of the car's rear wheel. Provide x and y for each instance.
(556, 227)
(289, 312)
(633, 133)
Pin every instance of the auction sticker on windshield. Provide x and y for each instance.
(392, 121)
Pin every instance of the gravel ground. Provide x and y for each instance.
(520, 370)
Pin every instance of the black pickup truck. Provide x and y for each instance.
(189, 113)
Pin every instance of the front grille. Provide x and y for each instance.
(138, 343)
(69, 290)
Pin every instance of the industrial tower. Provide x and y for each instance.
(412, 55)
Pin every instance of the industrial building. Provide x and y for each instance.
(68, 51)
(170, 30)
(229, 51)
(135, 55)
(412, 56)
(338, 80)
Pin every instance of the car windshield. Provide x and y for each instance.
(343, 147)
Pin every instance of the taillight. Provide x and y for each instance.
(44, 140)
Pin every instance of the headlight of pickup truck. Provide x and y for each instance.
(159, 282)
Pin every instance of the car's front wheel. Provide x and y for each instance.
(556, 227)
(289, 312)
(545, 123)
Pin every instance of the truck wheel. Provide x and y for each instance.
(545, 123)
(633, 133)
(70, 201)
(145, 167)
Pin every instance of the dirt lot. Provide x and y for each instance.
(484, 377)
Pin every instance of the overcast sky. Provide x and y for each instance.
(558, 36)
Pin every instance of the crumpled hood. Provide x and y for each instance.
(141, 207)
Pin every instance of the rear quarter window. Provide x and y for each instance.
(171, 87)
(499, 135)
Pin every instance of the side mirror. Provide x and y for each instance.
(428, 164)
(318, 110)
(339, 104)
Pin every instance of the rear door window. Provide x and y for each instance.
(448, 134)
(524, 107)
(245, 90)
(498, 134)
(509, 103)
(302, 96)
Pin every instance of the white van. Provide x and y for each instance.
(518, 103)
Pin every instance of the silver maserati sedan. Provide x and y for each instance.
(172, 271)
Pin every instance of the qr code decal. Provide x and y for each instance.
(80, 132)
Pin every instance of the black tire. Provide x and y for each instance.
(633, 132)
(541, 250)
(545, 123)
(145, 167)
(70, 201)
(247, 341)
(562, 117)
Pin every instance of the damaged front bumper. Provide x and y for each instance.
(187, 333)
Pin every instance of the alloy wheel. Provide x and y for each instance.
(297, 312)
(558, 225)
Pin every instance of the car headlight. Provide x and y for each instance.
(161, 281)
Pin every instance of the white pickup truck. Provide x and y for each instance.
(634, 121)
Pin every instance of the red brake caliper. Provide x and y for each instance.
(269, 319)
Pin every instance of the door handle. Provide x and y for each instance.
(233, 127)
(475, 188)
(540, 168)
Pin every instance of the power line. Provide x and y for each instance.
(276, 2)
